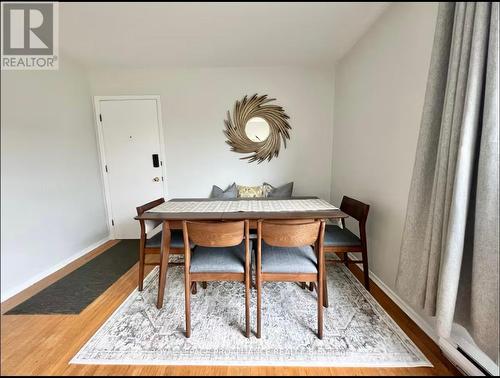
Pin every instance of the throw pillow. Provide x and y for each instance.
(230, 192)
(250, 191)
(283, 191)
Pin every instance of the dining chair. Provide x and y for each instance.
(221, 253)
(151, 245)
(340, 240)
(285, 253)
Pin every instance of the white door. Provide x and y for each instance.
(132, 158)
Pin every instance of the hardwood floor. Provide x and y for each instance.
(44, 344)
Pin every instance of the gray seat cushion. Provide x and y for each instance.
(288, 259)
(176, 240)
(340, 237)
(219, 259)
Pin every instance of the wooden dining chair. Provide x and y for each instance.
(285, 253)
(221, 253)
(151, 245)
(342, 241)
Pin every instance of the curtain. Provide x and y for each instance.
(449, 253)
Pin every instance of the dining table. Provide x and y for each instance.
(173, 212)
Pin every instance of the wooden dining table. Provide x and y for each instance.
(172, 220)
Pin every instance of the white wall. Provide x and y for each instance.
(194, 106)
(52, 202)
(379, 94)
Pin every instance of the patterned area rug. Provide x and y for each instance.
(358, 332)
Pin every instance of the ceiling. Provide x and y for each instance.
(141, 35)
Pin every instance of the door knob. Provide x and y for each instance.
(156, 179)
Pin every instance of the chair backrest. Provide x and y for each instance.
(149, 205)
(354, 208)
(148, 225)
(289, 221)
(359, 211)
(290, 233)
(215, 234)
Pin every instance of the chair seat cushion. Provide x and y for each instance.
(176, 240)
(219, 259)
(288, 259)
(340, 237)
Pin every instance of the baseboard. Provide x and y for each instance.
(19, 288)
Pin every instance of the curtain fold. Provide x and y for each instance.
(449, 254)
(477, 300)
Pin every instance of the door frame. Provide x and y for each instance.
(102, 152)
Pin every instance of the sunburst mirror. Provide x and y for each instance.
(257, 128)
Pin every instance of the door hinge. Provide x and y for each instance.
(161, 178)
(106, 168)
(112, 222)
(100, 118)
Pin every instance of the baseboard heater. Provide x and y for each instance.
(465, 362)
(474, 362)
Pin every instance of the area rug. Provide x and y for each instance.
(358, 332)
(75, 291)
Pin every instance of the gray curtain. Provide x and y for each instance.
(449, 254)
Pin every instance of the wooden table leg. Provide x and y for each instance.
(194, 288)
(165, 251)
(325, 286)
(311, 286)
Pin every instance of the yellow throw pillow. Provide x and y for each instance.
(250, 191)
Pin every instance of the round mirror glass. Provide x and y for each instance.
(257, 129)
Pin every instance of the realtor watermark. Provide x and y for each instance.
(30, 36)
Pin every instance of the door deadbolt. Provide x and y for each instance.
(156, 179)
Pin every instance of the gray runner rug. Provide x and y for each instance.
(74, 292)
